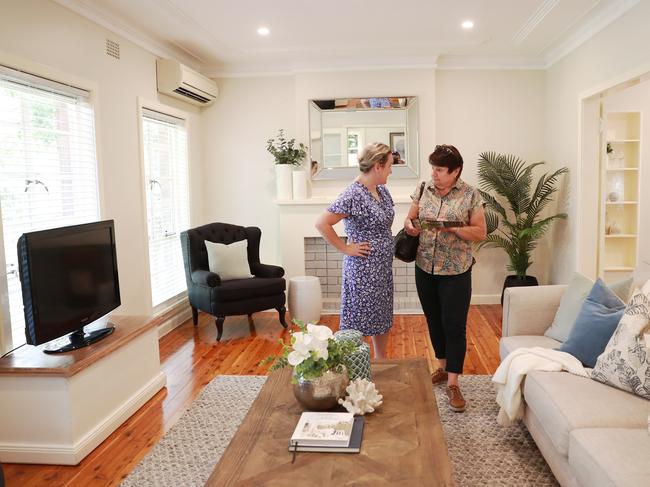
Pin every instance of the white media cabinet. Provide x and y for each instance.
(55, 409)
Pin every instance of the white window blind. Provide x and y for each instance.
(48, 167)
(166, 187)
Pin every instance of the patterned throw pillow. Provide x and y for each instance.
(625, 363)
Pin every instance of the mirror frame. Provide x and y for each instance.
(409, 171)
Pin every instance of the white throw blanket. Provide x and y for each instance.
(511, 373)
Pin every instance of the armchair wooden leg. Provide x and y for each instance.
(219, 321)
(283, 321)
(195, 316)
(250, 319)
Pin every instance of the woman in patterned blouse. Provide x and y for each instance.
(366, 209)
(443, 271)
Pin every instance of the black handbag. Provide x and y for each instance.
(406, 246)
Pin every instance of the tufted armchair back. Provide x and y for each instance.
(193, 243)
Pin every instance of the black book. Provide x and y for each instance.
(353, 447)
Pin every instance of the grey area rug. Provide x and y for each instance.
(482, 452)
(188, 452)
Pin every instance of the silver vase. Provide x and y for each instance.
(322, 393)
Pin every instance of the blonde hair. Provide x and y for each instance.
(375, 153)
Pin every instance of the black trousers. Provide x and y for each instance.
(445, 302)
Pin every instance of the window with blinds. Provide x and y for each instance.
(48, 169)
(167, 189)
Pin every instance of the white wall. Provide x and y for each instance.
(501, 111)
(617, 52)
(239, 172)
(44, 36)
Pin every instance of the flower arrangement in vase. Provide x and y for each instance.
(319, 374)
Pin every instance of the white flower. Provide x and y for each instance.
(302, 342)
(320, 347)
(296, 358)
(319, 332)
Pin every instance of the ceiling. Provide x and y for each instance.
(219, 37)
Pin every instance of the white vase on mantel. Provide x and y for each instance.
(284, 181)
(300, 184)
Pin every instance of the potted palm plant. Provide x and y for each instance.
(517, 226)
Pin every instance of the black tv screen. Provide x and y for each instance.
(69, 279)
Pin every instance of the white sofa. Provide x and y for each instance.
(589, 433)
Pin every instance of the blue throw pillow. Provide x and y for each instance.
(595, 324)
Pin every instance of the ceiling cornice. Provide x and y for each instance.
(487, 63)
(601, 20)
(144, 41)
(534, 20)
(234, 72)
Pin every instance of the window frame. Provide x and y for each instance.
(51, 74)
(142, 105)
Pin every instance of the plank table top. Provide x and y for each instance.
(403, 442)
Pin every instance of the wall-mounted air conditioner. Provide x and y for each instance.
(181, 82)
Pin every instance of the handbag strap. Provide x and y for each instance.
(421, 191)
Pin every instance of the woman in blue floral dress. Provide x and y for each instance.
(366, 209)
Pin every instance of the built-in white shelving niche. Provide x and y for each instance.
(619, 221)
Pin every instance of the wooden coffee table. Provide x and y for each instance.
(403, 443)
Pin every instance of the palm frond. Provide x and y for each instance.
(511, 178)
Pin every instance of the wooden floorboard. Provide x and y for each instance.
(191, 358)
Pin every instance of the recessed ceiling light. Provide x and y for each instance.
(467, 24)
(263, 31)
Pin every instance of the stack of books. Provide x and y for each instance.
(327, 432)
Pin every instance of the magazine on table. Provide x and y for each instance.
(323, 429)
(353, 446)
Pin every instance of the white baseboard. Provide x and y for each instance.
(409, 305)
(66, 454)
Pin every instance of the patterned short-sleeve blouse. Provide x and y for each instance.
(445, 253)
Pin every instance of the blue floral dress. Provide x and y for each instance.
(367, 283)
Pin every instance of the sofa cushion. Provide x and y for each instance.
(595, 324)
(608, 457)
(625, 363)
(572, 301)
(564, 402)
(569, 308)
(508, 344)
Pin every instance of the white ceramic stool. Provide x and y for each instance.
(305, 301)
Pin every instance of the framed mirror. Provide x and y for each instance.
(340, 128)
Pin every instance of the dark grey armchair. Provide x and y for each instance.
(207, 292)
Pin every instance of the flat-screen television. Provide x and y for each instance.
(69, 280)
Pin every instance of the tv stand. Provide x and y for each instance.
(78, 339)
(57, 408)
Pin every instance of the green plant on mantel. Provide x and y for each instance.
(517, 229)
(284, 150)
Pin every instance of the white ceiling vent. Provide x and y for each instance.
(179, 81)
(112, 49)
